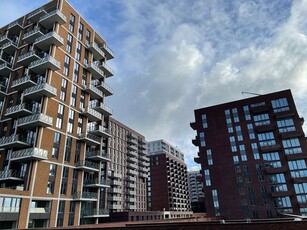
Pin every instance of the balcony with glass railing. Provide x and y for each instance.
(24, 82)
(132, 147)
(88, 166)
(102, 108)
(10, 47)
(29, 154)
(97, 73)
(131, 192)
(106, 69)
(5, 69)
(86, 196)
(144, 175)
(35, 15)
(95, 183)
(91, 114)
(15, 141)
(131, 199)
(19, 110)
(131, 165)
(15, 27)
(4, 38)
(131, 178)
(48, 19)
(35, 93)
(132, 159)
(52, 38)
(105, 88)
(131, 207)
(97, 155)
(131, 172)
(96, 51)
(93, 213)
(89, 139)
(48, 62)
(108, 52)
(131, 152)
(131, 185)
(99, 130)
(115, 190)
(33, 121)
(93, 91)
(114, 198)
(31, 35)
(27, 58)
(11, 175)
(114, 174)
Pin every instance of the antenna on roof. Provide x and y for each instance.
(256, 94)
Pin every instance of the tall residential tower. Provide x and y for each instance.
(53, 159)
(253, 157)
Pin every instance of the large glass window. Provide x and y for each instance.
(216, 202)
(272, 160)
(280, 105)
(202, 139)
(292, 146)
(207, 177)
(266, 139)
(262, 119)
(286, 125)
(297, 168)
(204, 120)
(209, 157)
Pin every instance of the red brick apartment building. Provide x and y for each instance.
(54, 134)
(252, 154)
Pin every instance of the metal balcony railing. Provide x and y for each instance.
(14, 138)
(47, 58)
(43, 86)
(107, 69)
(88, 164)
(110, 54)
(95, 49)
(10, 173)
(37, 119)
(95, 212)
(31, 32)
(96, 181)
(85, 195)
(30, 153)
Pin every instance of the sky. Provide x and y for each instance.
(174, 56)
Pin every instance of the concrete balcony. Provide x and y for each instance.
(11, 175)
(29, 154)
(132, 159)
(96, 51)
(51, 38)
(100, 131)
(264, 127)
(35, 15)
(106, 89)
(270, 148)
(132, 165)
(131, 199)
(115, 206)
(114, 175)
(144, 163)
(260, 109)
(114, 198)
(132, 141)
(15, 141)
(132, 147)
(97, 156)
(284, 114)
(27, 58)
(48, 19)
(35, 93)
(33, 121)
(131, 185)
(132, 153)
(90, 139)
(102, 108)
(30, 36)
(5, 69)
(48, 62)
(87, 166)
(91, 114)
(131, 192)
(116, 182)
(193, 125)
(195, 141)
(286, 135)
(132, 172)
(115, 190)
(5, 38)
(131, 178)
(276, 170)
(97, 73)
(197, 160)
(281, 193)
(131, 207)
(144, 175)
(10, 47)
(95, 183)
(93, 91)
(85, 196)
(15, 27)
(106, 69)
(24, 82)
(20, 110)
(94, 213)
(108, 52)
(143, 169)
(296, 156)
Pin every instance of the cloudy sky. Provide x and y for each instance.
(173, 56)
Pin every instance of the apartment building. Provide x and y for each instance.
(53, 143)
(196, 191)
(168, 179)
(128, 169)
(253, 157)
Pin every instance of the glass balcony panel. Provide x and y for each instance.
(90, 213)
(97, 73)
(4, 38)
(95, 183)
(47, 20)
(33, 121)
(99, 130)
(85, 196)
(36, 92)
(15, 27)
(52, 38)
(106, 69)
(10, 47)
(35, 15)
(87, 166)
(48, 62)
(90, 139)
(97, 155)
(29, 154)
(96, 51)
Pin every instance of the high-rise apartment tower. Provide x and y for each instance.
(128, 169)
(168, 179)
(253, 157)
(196, 191)
(53, 160)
